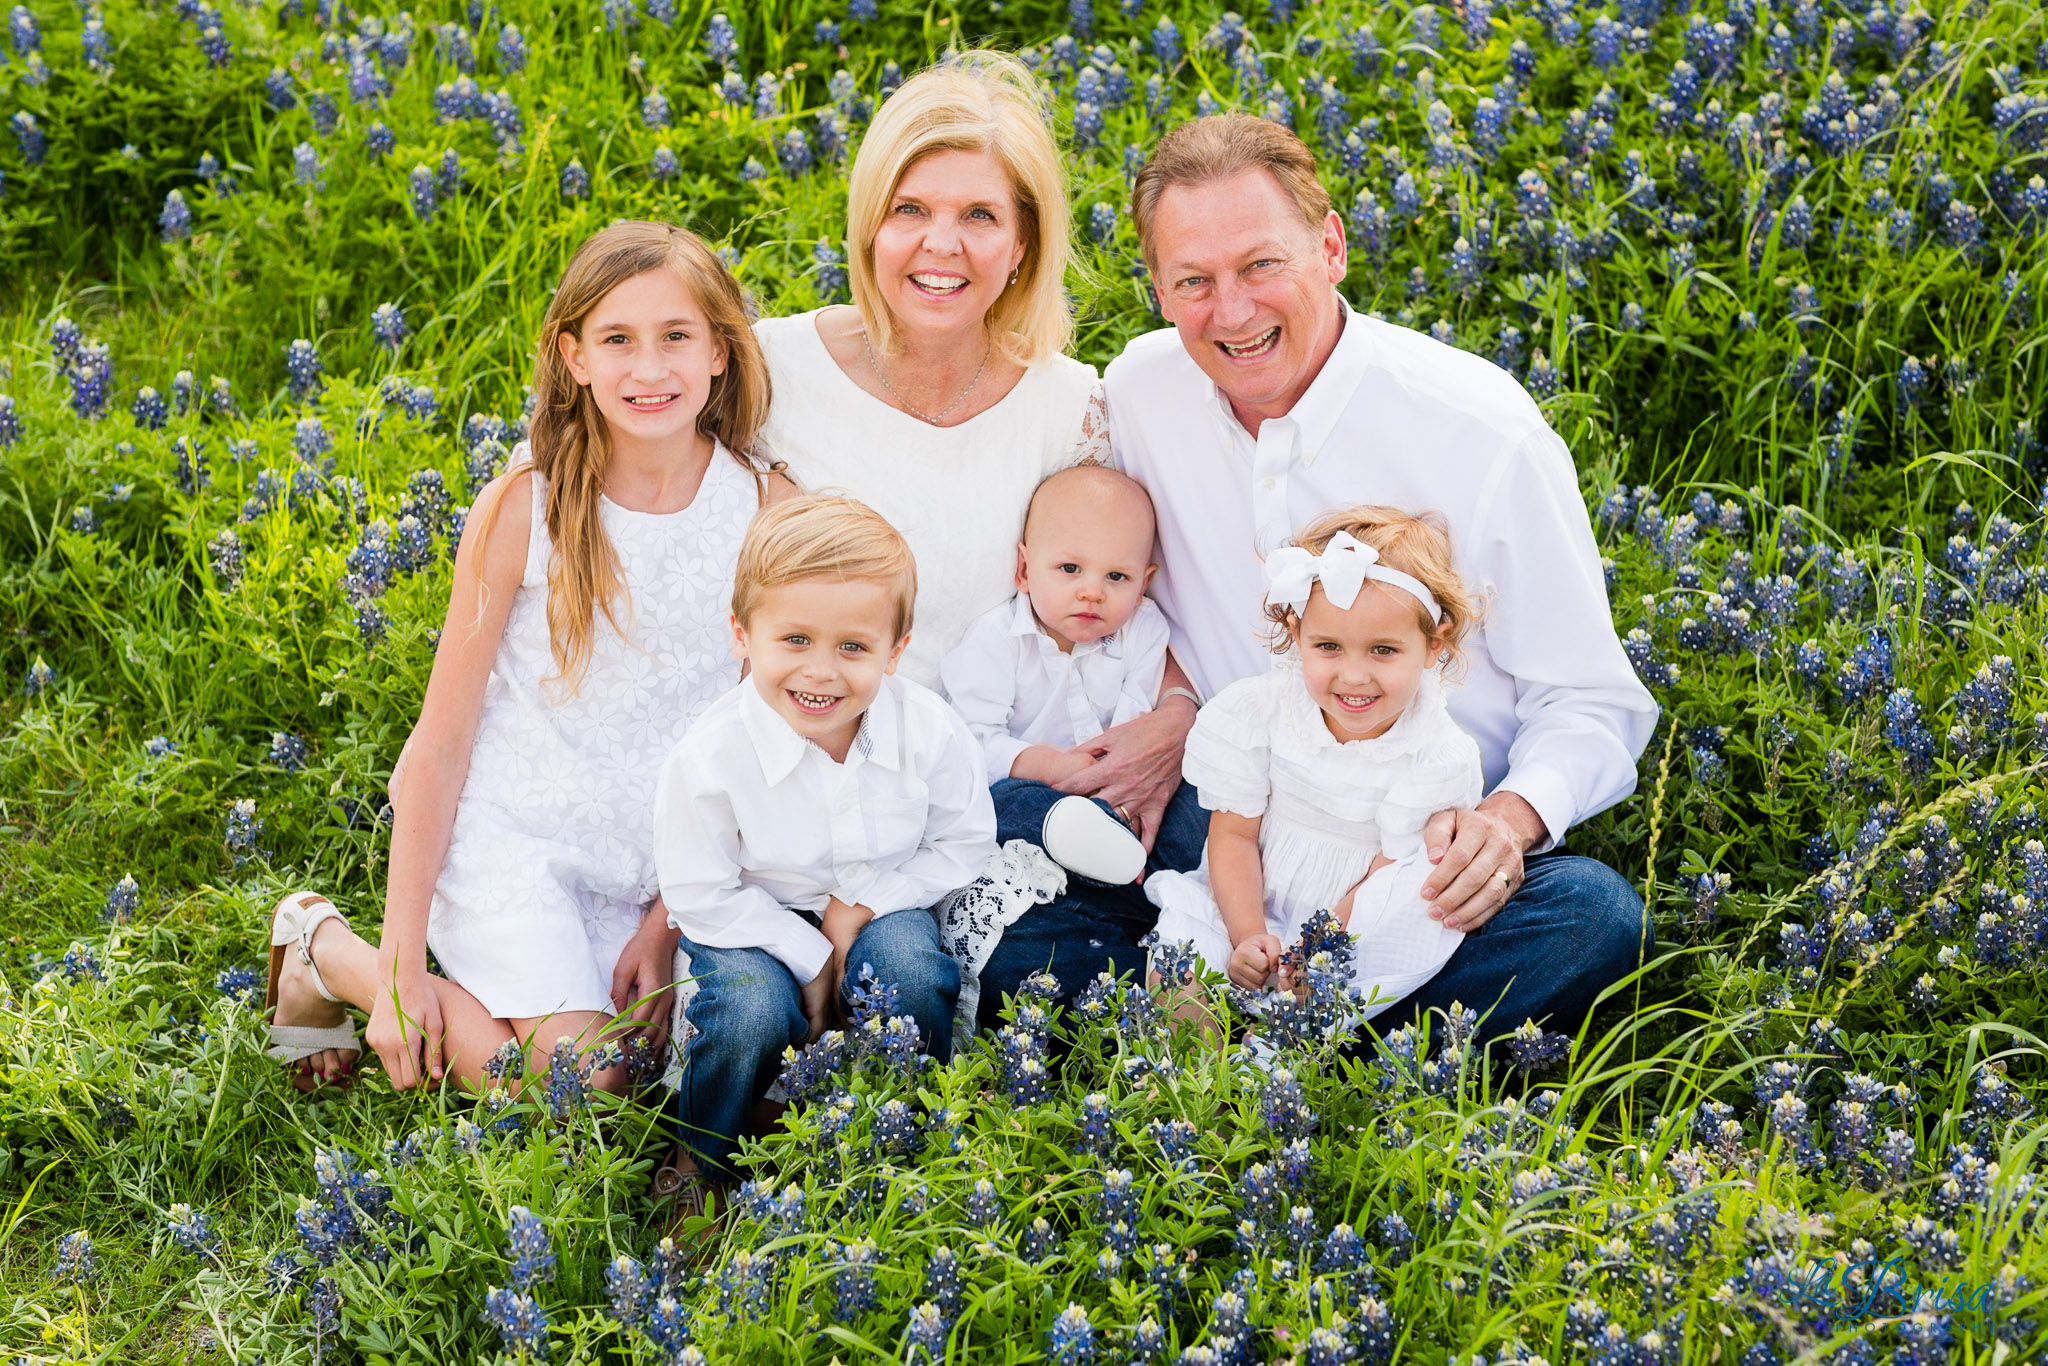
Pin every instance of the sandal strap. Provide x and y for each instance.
(319, 913)
(290, 1043)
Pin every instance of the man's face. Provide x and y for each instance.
(1249, 286)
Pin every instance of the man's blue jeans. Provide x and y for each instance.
(1089, 929)
(748, 1008)
(1572, 929)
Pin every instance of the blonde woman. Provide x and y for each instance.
(940, 398)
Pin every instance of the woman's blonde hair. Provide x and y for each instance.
(814, 536)
(572, 446)
(1418, 544)
(979, 101)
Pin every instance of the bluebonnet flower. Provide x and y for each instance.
(521, 1322)
(575, 181)
(224, 552)
(193, 1233)
(511, 48)
(721, 40)
(450, 177)
(532, 1259)
(830, 268)
(1534, 1049)
(663, 12)
(78, 1263)
(84, 521)
(214, 45)
(1396, 1237)
(379, 141)
(92, 381)
(287, 751)
(663, 165)
(303, 370)
(10, 422)
(174, 224)
(654, 110)
(1071, 1341)
(34, 146)
(853, 1282)
(387, 325)
(244, 828)
(149, 409)
(1905, 730)
(424, 193)
(121, 898)
(793, 150)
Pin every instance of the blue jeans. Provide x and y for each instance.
(1090, 928)
(748, 1008)
(1572, 929)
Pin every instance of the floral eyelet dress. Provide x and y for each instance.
(550, 863)
(1326, 808)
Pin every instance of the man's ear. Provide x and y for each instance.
(1335, 250)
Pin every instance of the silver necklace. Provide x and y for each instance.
(905, 403)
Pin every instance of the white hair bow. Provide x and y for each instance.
(1343, 567)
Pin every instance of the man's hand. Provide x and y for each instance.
(1255, 959)
(405, 1026)
(644, 974)
(842, 925)
(1137, 765)
(1478, 856)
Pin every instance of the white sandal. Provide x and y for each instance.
(292, 925)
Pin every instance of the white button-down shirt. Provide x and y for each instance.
(1398, 418)
(1017, 688)
(753, 823)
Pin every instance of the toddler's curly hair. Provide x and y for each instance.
(1418, 544)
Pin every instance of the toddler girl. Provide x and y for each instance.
(1321, 773)
(585, 629)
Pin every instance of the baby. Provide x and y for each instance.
(1079, 649)
(809, 820)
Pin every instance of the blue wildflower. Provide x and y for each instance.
(244, 828)
(532, 1259)
(192, 1232)
(521, 1322)
(77, 1261)
(721, 40)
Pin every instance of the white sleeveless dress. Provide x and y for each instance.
(1326, 808)
(550, 862)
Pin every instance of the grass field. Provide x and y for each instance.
(269, 281)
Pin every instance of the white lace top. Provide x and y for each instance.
(1260, 748)
(956, 493)
(579, 772)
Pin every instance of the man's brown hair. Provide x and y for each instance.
(1217, 148)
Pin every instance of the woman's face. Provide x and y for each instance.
(952, 234)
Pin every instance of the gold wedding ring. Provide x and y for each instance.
(1123, 815)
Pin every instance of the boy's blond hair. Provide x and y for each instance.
(1418, 544)
(814, 536)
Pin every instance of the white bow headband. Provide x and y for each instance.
(1343, 567)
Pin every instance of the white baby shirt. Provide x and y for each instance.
(1016, 688)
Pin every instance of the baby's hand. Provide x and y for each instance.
(1253, 960)
(816, 995)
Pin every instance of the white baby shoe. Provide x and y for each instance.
(1083, 838)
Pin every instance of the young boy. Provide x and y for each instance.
(1078, 650)
(812, 815)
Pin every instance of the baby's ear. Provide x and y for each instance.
(1151, 572)
(1022, 574)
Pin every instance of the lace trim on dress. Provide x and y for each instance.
(1017, 876)
(1092, 446)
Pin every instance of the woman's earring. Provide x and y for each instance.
(1013, 276)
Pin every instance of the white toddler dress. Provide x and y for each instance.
(550, 863)
(1326, 808)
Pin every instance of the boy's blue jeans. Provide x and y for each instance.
(748, 1008)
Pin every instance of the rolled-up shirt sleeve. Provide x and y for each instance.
(959, 830)
(980, 680)
(696, 855)
(1584, 717)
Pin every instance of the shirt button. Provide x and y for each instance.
(1309, 459)
(1268, 481)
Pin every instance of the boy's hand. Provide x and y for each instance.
(842, 925)
(1253, 960)
(817, 1001)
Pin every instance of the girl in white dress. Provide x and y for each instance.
(1321, 773)
(587, 627)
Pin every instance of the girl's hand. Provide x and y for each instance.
(405, 1026)
(1254, 960)
(817, 1001)
(644, 974)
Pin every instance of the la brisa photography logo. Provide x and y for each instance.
(1853, 1291)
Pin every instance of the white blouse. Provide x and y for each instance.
(1326, 807)
(1017, 688)
(956, 493)
(753, 823)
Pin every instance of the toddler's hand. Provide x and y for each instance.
(1253, 961)
(842, 925)
(817, 1001)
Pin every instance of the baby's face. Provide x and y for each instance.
(1085, 564)
(1364, 665)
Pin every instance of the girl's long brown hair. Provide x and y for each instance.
(572, 447)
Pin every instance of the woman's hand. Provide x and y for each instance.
(1137, 765)
(405, 1024)
(644, 975)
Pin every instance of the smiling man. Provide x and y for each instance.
(1268, 402)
